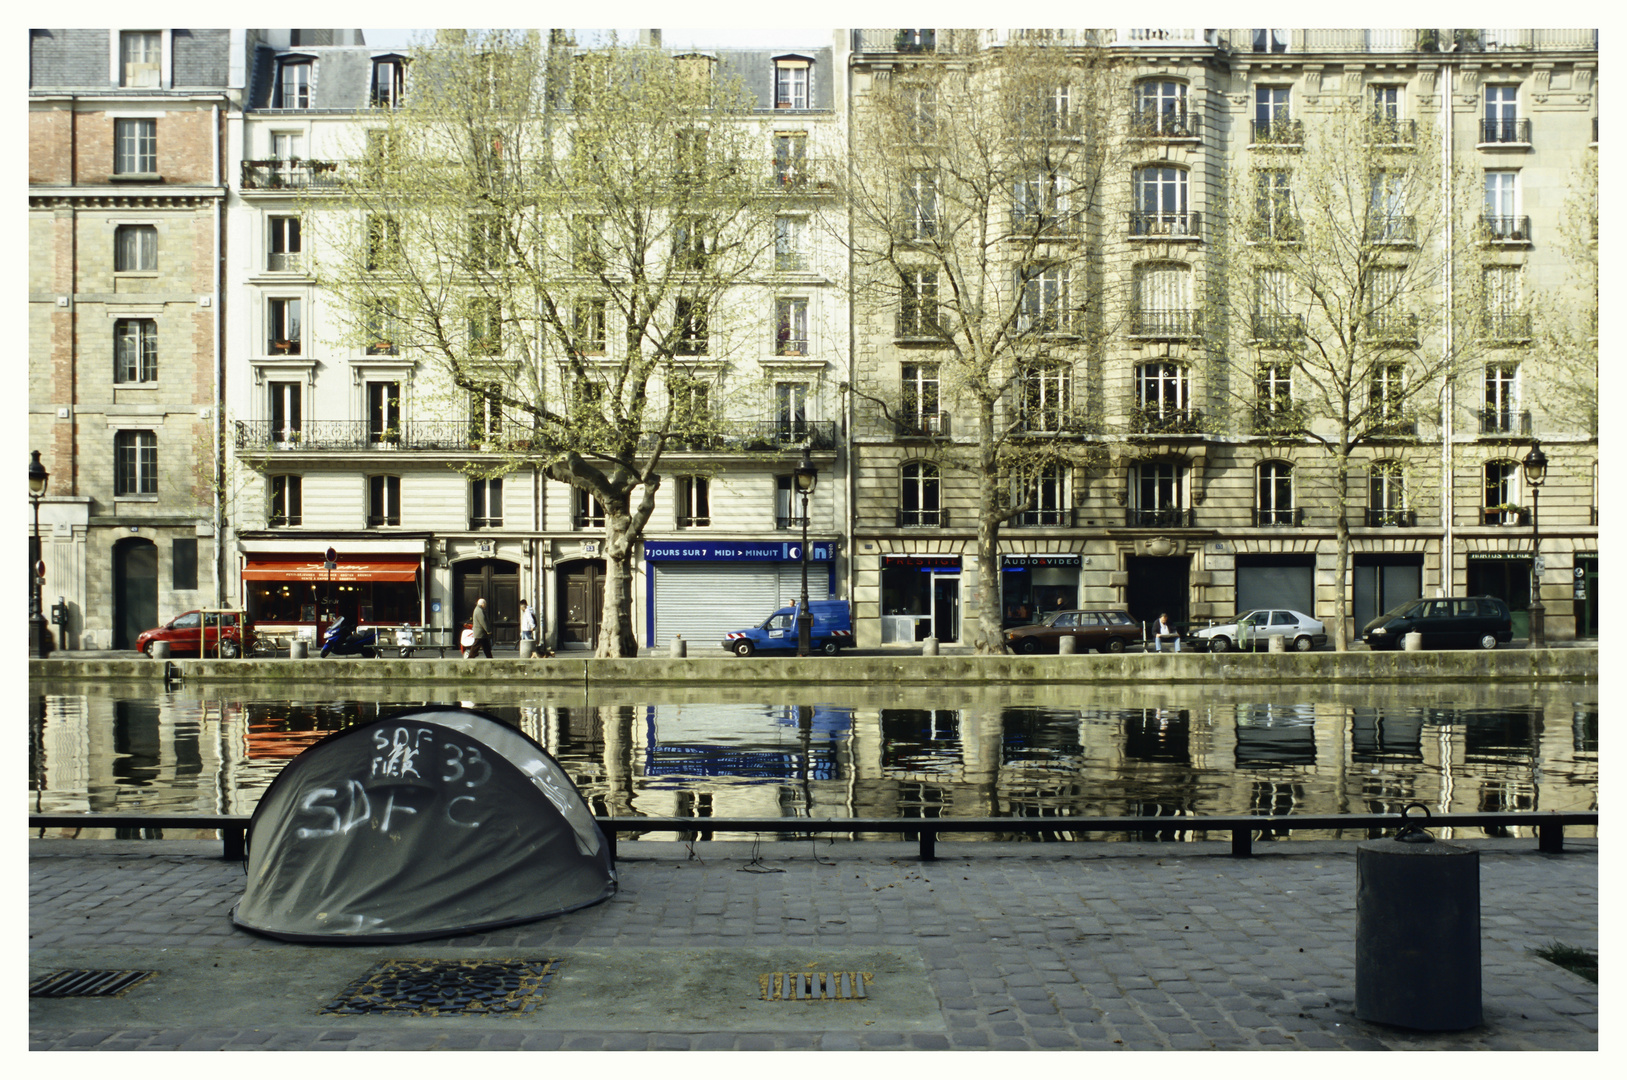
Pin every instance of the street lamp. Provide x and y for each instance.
(1536, 471)
(39, 640)
(806, 477)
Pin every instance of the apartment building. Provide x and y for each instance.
(360, 444)
(126, 192)
(1175, 486)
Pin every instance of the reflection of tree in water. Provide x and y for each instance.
(594, 743)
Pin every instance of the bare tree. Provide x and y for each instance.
(1354, 287)
(559, 238)
(1566, 314)
(975, 195)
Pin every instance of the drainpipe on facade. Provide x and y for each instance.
(218, 520)
(1448, 397)
(848, 444)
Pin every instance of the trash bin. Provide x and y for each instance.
(680, 647)
(1412, 642)
(1067, 645)
(528, 647)
(160, 650)
(1418, 934)
(1278, 643)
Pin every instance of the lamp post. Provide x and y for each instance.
(1536, 471)
(39, 641)
(806, 477)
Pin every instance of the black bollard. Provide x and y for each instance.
(1418, 934)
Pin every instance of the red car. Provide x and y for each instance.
(231, 631)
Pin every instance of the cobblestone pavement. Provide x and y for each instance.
(1094, 946)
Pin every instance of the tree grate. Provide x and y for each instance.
(86, 983)
(446, 988)
(814, 985)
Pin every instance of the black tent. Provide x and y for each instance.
(427, 823)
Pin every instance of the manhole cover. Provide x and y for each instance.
(83, 983)
(446, 988)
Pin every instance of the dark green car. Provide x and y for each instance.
(1446, 622)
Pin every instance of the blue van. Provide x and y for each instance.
(832, 630)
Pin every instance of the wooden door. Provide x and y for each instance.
(581, 600)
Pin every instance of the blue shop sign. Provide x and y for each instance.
(737, 551)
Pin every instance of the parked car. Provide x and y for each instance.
(231, 631)
(1106, 631)
(832, 630)
(1255, 629)
(1446, 622)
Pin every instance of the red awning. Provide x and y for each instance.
(366, 568)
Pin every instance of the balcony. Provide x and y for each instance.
(919, 326)
(800, 173)
(1392, 328)
(1515, 132)
(923, 519)
(1278, 131)
(1507, 326)
(1395, 427)
(293, 174)
(1158, 38)
(1173, 325)
(328, 435)
(929, 425)
(749, 436)
(1505, 422)
(908, 42)
(1056, 517)
(1155, 421)
(1388, 131)
(789, 346)
(1392, 229)
(1278, 418)
(1275, 229)
(1505, 230)
(1294, 516)
(1381, 518)
(1168, 518)
(1026, 223)
(1505, 514)
(1276, 327)
(1158, 124)
(1164, 226)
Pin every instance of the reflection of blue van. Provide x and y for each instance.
(832, 630)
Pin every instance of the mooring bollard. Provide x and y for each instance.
(680, 647)
(929, 647)
(528, 648)
(160, 650)
(1412, 642)
(1418, 932)
(1277, 644)
(1067, 645)
(296, 649)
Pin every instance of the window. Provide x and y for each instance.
(787, 503)
(689, 317)
(919, 314)
(1039, 201)
(1273, 321)
(919, 204)
(290, 145)
(694, 502)
(284, 400)
(587, 326)
(1498, 503)
(135, 147)
(140, 57)
(791, 409)
(690, 243)
(383, 241)
(383, 501)
(485, 414)
(135, 459)
(1055, 108)
(1273, 395)
(1160, 202)
(383, 327)
(381, 156)
(184, 564)
(389, 82)
(1386, 494)
(690, 156)
(1502, 124)
(589, 510)
(1272, 123)
(135, 247)
(1498, 415)
(920, 407)
(486, 503)
(1161, 109)
(1163, 396)
(791, 84)
(485, 326)
(1274, 494)
(789, 253)
(587, 242)
(135, 350)
(1043, 307)
(285, 502)
(293, 84)
(1271, 41)
(1504, 319)
(383, 412)
(282, 243)
(1046, 492)
(918, 495)
(1502, 205)
(1387, 219)
(1386, 397)
(790, 158)
(282, 327)
(1044, 400)
(1163, 301)
(689, 404)
(919, 111)
(791, 326)
(1274, 206)
(1386, 104)
(487, 242)
(1158, 493)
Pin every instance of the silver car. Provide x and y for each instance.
(1255, 629)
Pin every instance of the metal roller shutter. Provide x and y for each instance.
(791, 582)
(1277, 586)
(705, 601)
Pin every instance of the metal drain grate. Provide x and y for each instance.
(85, 983)
(814, 985)
(446, 988)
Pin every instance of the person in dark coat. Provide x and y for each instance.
(482, 630)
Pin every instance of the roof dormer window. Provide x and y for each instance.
(294, 83)
(793, 82)
(389, 82)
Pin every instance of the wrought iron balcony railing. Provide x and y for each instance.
(1042, 224)
(1169, 324)
(1154, 421)
(1395, 427)
(290, 174)
(1387, 131)
(919, 326)
(1515, 132)
(1168, 518)
(1185, 225)
(1506, 230)
(1396, 327)
(922, 425)
(1505, 515)
(1276, 327)
(1379, 517)
(1164, 124)
(923, 519)
(324, 435)
(1278, 131)
(749, 436)
(1293, 516)
(1278, 418)
(1055, 517)
(1505, 422)
(1507, 325)
(1277, 228)
(1392, 229)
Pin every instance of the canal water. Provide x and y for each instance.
(727, 751)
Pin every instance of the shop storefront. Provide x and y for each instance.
(1507, 576)
(920, 598)
(285, 589)
(704, 589)
(1033, 586)
(1277, 580)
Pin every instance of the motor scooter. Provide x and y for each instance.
(343, 639)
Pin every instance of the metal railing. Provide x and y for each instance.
(1505, 515)
(1294, 516)
(1393, 326)
(1135, 518)
(1505, 422)
(1149, 421)
(1512, 132)
(1282, 228)
(290, 174)
(1549, 826)
(1507, 325)
(1279, 418)
(1395, 427)
(1186, 225)
(751, 436)
(462, 435)
(1379, 518)
(1392, 229)
(1175, 324)
(1500, 229)
(1387, 131)
(1276, 326)
(1148, 123)
(923, 519)
(1278, 131)
(922, 425)
(1055, 517)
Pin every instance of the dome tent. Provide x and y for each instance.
(422, 824)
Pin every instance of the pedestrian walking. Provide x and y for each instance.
(528, 623)
(482, 631)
